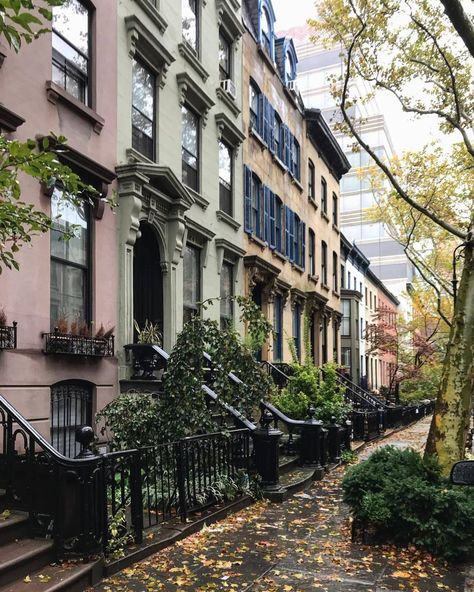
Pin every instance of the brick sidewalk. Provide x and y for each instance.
(300, 545)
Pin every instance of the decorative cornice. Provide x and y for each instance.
(226, 17)
(228, 131)
(192, 93)
(190, 56)
(9, 120)
(153, 14)
(228, 101)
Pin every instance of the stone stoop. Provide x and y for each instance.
(28, 564)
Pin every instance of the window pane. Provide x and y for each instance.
(68, 292)
(189, 8)
(143, 90)
(191, 276)
(224, 57)
(71, 21)
(289, 70)
(225, 163)
(226, 291)
(189, 131)
(66, 215)
(68, 52)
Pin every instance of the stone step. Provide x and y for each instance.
(13, 525)
(55, 577)
(19, 558)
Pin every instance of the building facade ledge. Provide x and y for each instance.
(228, 219)
(153, 13)
(56, 94)
(190, 56)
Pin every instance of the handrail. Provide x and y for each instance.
(274, 368)
(239, 416)
(281, 416)
(359, 390)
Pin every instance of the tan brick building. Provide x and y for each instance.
(292, 167)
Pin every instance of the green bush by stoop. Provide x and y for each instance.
(403, 498)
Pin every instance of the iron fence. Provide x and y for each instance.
(78, 345)
(8, 336)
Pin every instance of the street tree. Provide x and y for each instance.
(422, 56)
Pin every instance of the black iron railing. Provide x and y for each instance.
(8, 336)
(78, 345)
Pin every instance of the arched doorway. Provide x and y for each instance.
(147, 279)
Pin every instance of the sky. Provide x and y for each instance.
(406, 133)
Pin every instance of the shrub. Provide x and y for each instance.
(424, 386)
(406, 501)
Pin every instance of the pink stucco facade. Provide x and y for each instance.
(26, 373)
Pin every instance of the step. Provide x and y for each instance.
(19, 558)
(55, 577)
(13, 527)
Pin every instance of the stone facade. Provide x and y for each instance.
(285, 276)
(154, 200)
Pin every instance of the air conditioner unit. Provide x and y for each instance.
(292, 86)
(229, 87)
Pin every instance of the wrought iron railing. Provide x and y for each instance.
(78, 345)
(8, 336)
(360, 394)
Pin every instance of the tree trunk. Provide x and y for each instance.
(448, 431)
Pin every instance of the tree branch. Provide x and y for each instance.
(461, 22)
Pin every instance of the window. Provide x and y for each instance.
(343, 271)
(278, 224)
(324, 263)
(334, 209)
(324, 195)
(348, 280)
(71, 49)
(346, 356)
(297, 329)
(365, 298)
(278, 328)
(256, 206)
(346, 317)
(277, 136)
(311, 172)
(290, 70)
(254, 94)
(225, 178)
(191, 282)
(295, 158)
(297, 239)
(360, 288)
(375, 302)
(355, 284)
(335, 269)
(267, 34)
(190, 147)
(71, 407)
(312, 253)
(324, 341)
(190, 23)
(70, 277)
(227, 291)
(224, 58)
(143, 110)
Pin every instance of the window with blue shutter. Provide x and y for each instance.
(272, 241)
(296, 239)
(247, 199)
(287, 146)
(271, 128)
(291, 238)
(256, 206)
(261, 110)
(278, 224)
(303, 245)
(287, 231)
(266, 214)
(265, 130)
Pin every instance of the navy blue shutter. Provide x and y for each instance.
(258, 200)
(278, 224)
(266, 213)
(264, 116)
(272, 240)
(296, 239)
(271, 128)
(247, 199)
(303, 245)
(287, 155)
(287, 231)
(261, 111)
(291, 225)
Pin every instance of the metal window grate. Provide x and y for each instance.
(71, 407)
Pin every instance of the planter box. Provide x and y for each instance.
(77, 345)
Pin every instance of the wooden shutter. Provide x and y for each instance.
(247, 199)
(272, 239)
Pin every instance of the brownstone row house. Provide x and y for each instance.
(292, 168)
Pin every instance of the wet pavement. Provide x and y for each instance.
(300, 545)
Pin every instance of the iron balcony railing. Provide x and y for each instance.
(78, 345)
(8, 336)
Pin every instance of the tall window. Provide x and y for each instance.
(278, 328)
(324, 341)
(278, 224)
(343, 272)
(346, 317)
(143, 110)
(335, 269)
(227, 291)
(311, 169)
(290, 70)
(346, 357)
(277, 136)
(190, 23)
(191, 282)
(69, 261)
(190, 147)
(224, 57)
(334, 209)
(295, 157)
(312, 253)
(71, 49)
(324, 195)
(257, 206)
(266, 32)
(297, 329)
(225, 178)
(71, 407)
(324, 263)
(254, 94)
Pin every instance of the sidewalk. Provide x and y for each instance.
(300, 545)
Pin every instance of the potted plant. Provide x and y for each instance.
(145, 358)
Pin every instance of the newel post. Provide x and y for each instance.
(266, 441)
(310, 453)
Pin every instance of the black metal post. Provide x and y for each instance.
(180, 469)
(266, 441)
(136, 499)
(333, 441)
(324, 447)
(348, 434)
(310, 452)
